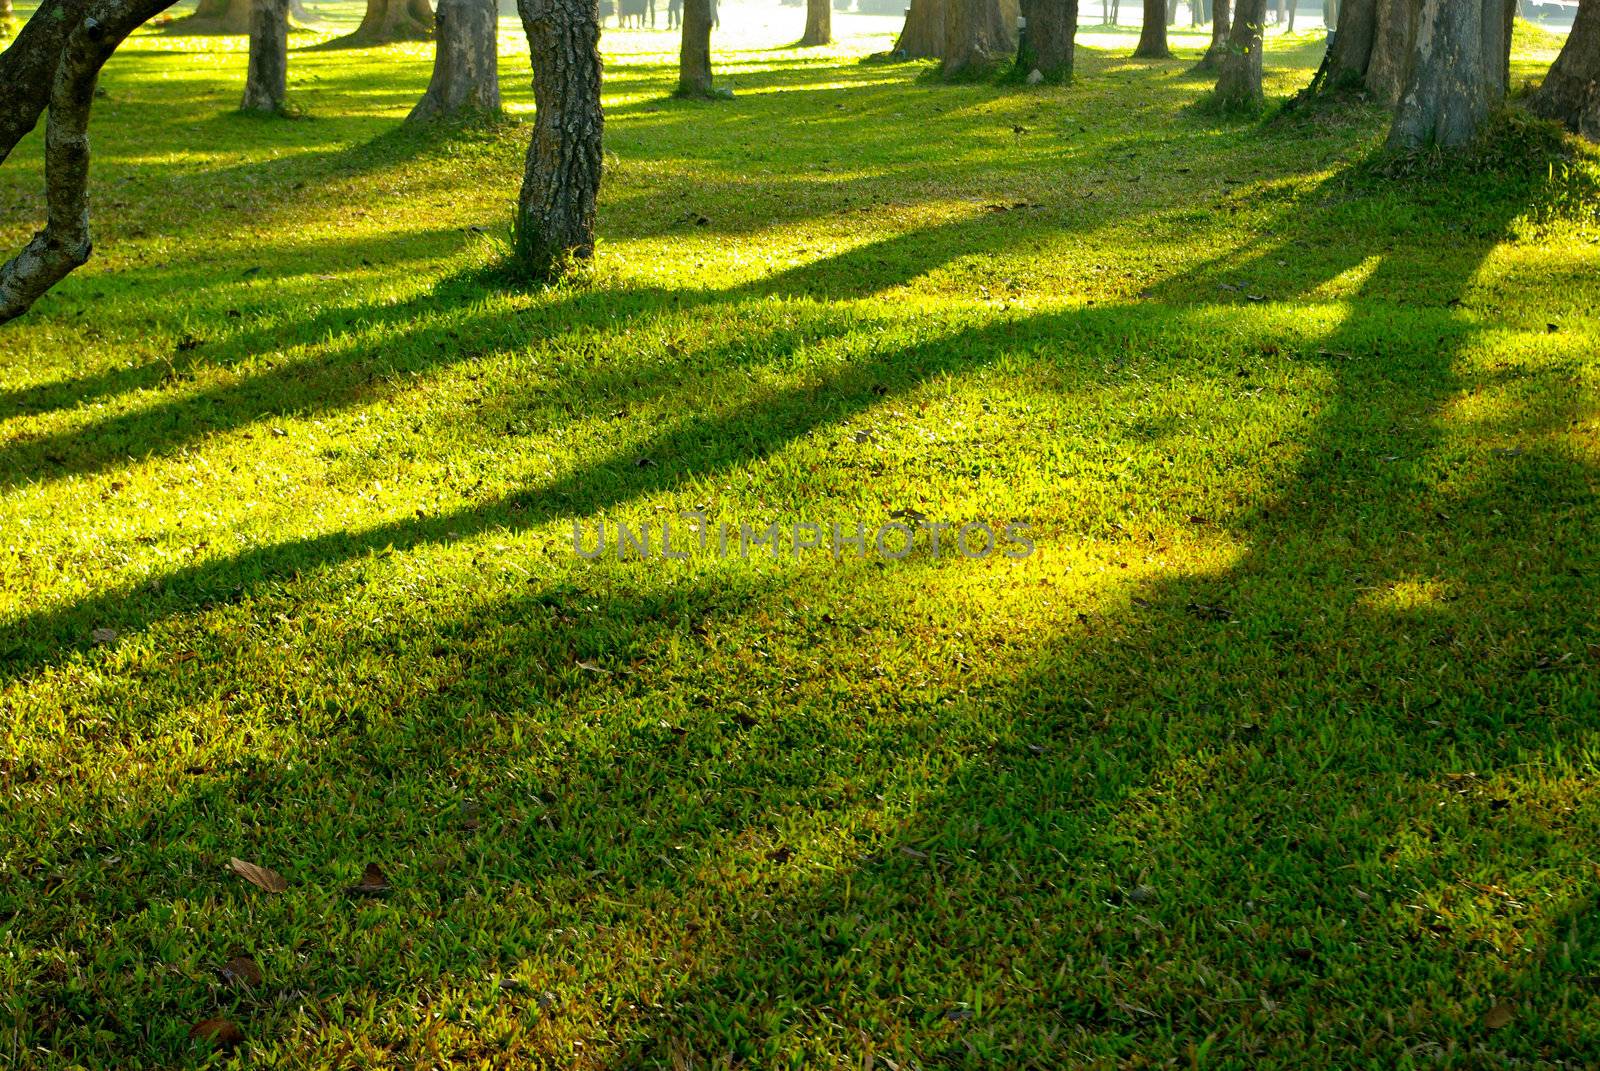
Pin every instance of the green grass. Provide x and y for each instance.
(1281, 751)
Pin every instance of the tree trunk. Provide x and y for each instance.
(92, 35)
(466, 63)
(1571, 91)
(1220, 25)
(922, 37)
(27, 69)
(1239, 73)
(819, 23)
(390, 20)
(1153, 35)
(694, 56)
(1393, 49)
(555, 213)
(227, 17)
(1049, 40)
(1458, 74)
(267, 78)
(975, 37)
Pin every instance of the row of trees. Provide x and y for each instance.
(1442, 65)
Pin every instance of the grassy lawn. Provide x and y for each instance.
(1281, 750)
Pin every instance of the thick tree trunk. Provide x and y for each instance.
(1239, 73)
(267, 79)
(555, 213)
(1458, 74)
(819, 23)
(1393, 49)
(227, 17)
(466, 63)
(390, 20)
(1220, 25)
(975, 37)
(64, 244)
(694, 55)
(922, 37)
(1153, 35)
(1571, 91)
(1048, 43)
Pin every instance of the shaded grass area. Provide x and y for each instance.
(1279, 751)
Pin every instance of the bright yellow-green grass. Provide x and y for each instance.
(1279, 751)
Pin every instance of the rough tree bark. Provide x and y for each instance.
(975, 37)
(1220, 25)
(1051, 37)
(1239, 73)
(27, 69)
(1393, 48)
(1153, 35)
(819, 23)
(922, 37)
(561, 181)
(65, 244)
(694, 55)
(1571, 91)
(267, 78)
(1458, 74)
(466, 63)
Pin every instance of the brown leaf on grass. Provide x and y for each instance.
(266, 880)
(101, 637)
(240, 970)
(372, 883)
(1500, 1015)
(220, 1032)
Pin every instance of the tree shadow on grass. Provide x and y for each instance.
(1218, 812)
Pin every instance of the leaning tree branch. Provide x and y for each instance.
(64, 244)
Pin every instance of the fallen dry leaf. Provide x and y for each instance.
(240, 970)
(372, 883)
(103, 636)
(220, 1032)
(267, 880)
(1500, 1015)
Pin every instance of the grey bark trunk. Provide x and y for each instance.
(391, 20)
(1571, 91)
(1458, 74)
(694, 55)
(975, 37)
(267, 77)
(561, 181)
(819, 24)
(64, 244)
(228, 17)
(1153, 35)
(466, 63)
(1220, 26)
(27, 69)
(922, 37)
(1050, 39)
(1239, 73)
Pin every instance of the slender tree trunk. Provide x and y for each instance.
(1458, 74)
(555, 213)
(975, 37)
(922, 36)
(1220, 25)
(1239, 73)
(819, 23)
(694, 56)
(267, 78)
(466, 63)
(27, 69)
(1571, 91)
(1153, 35)
(93, 34)
(1050, 39)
